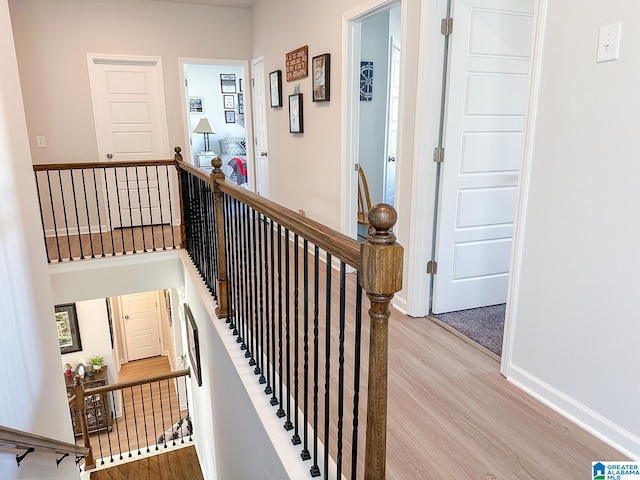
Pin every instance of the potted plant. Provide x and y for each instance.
(97, 363)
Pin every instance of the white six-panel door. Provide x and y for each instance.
(140, 319)
(487, 91)
(260, 127)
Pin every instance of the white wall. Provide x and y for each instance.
(32, 396)
(53, 38)
(93, 324)
(576, 320)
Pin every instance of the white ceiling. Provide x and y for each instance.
(218, 3)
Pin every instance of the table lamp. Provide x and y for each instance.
(205, 128)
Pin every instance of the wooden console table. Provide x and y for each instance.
(97, 406)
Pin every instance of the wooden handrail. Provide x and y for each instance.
(77, 166)
(333, 242)
(17, 439)
(135, 383)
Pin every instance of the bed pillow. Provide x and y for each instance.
(233, 146)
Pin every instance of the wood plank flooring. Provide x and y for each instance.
(181, 464)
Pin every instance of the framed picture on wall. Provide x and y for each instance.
(228, 83)
(321, 75)
(275, 88)
(195, 105)
(229, 102)
(193, 344)
(230, 116)
(68, 331)
(241, 103)
(295, 113)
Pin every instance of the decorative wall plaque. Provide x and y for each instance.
(296, 63)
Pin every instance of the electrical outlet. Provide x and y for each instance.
(41, 142)
(303, 212)
(609, 43)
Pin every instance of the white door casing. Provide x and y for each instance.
(130, 120)
(487, 92)
(141, 326)
(261, 151)
(392, 122)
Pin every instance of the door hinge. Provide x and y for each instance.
(432, 267)
(186, 83)
(253, 83)
(438, 154)
(446, 26)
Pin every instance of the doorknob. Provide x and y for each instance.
(126, 317)
(391, 159)
(109, 156)
(263, 154)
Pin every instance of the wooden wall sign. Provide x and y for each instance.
(296, 63)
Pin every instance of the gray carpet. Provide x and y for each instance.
(484, 325)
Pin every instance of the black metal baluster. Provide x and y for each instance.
(170, 408)
(315, 470)
(144, 416)
(287, 424)
(356, 378)
(254, 292)
(274, 400)
(239, 283)
(295, 439)
(86, 205)
(64, 212)
(144, 242)
(113, 402)
(305, 366)
(106, 186)
(267, 364)
(133, 238)
(162, 414)
(95, 188)
(104, 398)
(260, 353)
(227, 246)
(115, 182)
(75, 207)
(53, 213)
(280, 413)
(179, 411)
(173, 239)
(126, 423)
(246, 285)
(164, 246)
(97, 421)
(153, 416)
(236, 267)
(153, 237)
(135, 419)
(341, 369)
(188, 413)
(42, 216)
(327, 366)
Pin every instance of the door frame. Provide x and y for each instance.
(350, 122)
(248, 110)
(423, 188)
(123, 330)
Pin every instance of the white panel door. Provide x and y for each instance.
(260, 127)
(130, 118)
(140, 319)
(392, 122)
(488, 86)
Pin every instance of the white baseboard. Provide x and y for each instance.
(400, 304)
(622, 440)
(50, 232)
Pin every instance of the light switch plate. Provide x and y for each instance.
(41, 142)
(609, 43)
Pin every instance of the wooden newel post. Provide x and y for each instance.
(183, 218)
(81, 417)
(222, 311)
(381, 277)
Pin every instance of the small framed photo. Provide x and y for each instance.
(321, 77)
(195, 105)
(193, 344)
(275, 87)
(241, 103)
(228, 83)
(230, 116)
(295, 113)
(229, 102)
(68, 331)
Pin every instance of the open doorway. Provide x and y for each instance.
(217, 117)
(484, 103)
(373, 77)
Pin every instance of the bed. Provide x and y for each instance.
(233, 153)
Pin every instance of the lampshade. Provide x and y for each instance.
(204, 126)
